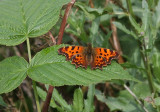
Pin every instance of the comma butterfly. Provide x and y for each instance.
(84, 56)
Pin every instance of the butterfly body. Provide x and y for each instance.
(88, 54)
(84, 56)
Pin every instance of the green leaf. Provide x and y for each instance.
(50, 68)
(157, 101)
(157, 15)
(89, 107)
(156, 64)
(21, 19)
(58, 98)
(2, 103)
(43, 95)
(135, 24)
(145, 17)
(118, 103)
(78, 100)
(130, 65)
(123, 28)
(13, 71)
(142, 90)
(83, 7)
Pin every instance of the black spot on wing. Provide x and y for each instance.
(66, 48)
(105, 50)
(111, 51)
(73, 47)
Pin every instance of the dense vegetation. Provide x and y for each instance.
(33, 77)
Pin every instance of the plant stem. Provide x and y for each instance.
(149, 75)
(33, 82)
(130, 10)
(147, 66)
(63, 24)
(48, 99)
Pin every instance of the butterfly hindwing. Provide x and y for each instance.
(70, 51)
(98, 62)
(107, 54)
(79, 60)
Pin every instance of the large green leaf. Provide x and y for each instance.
(13, 71)
(21, 19)
(50, 68)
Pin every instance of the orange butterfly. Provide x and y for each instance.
(84, 56)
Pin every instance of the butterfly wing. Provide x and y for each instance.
(70, 51)
(98, 62)
(79, 60)
(75, 53)
(107, 54)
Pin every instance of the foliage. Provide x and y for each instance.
(138, 32)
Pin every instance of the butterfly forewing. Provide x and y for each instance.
(70, 51)
(107, 54)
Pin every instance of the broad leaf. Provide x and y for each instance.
(13, 71)
(50, 68)
(21, 19)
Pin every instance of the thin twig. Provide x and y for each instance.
(53, 39)
(127, 88)
(16, 51)
(63, 24)
(115, 41)
(48, 99)
(91, 3)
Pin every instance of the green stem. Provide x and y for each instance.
(149, 75)
(29, 50)
(130, 10)
(33, 82)
(147, 66)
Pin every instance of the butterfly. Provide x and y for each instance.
(84, 56)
